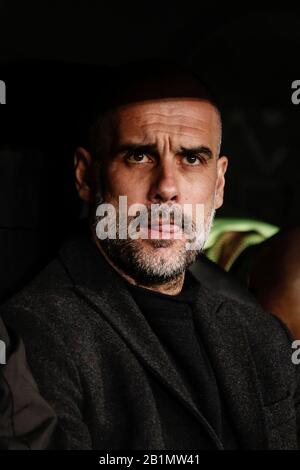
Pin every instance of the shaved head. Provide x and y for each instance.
(146, 81)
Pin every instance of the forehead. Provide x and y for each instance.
(186, 121)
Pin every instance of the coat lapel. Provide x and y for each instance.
(228, 349)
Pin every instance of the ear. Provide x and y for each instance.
(83, 164)
(222, 164)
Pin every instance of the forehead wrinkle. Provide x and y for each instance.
(172, 120)
(151, 139)
(188, 125)
(197, 135)
(184, 116)
(144, 130)
(150, 134)
(179, 128)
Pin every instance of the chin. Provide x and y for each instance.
(164, 244)
(166, 258)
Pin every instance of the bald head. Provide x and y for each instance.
(147, 82)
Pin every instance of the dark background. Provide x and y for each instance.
(53, 58)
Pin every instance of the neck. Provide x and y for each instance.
(172, 287)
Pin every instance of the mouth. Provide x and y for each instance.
(160, 230)
(165, 228)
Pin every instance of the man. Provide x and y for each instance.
(131, 351)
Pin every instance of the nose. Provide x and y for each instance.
(164, 187)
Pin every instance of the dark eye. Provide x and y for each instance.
(138, 158)
(192, 160)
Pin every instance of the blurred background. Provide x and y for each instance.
(54, 58)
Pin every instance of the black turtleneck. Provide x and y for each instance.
(171, 319)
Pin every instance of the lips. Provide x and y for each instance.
(162, 224)
(165, 228)
(160, 230)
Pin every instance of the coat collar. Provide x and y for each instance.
(105, 290)
(224, 336)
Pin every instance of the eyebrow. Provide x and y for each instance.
(201, 149)
(152, 149)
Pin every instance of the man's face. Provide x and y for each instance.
(163, 152)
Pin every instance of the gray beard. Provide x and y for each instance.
(145, 266)
(132, 259)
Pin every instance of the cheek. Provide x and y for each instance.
(201, 189)
(121, 181)
(202, 192)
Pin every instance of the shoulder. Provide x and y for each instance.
(268, 339)
(249, 314)
(256, 336)
(263, 329)
(49, 302)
